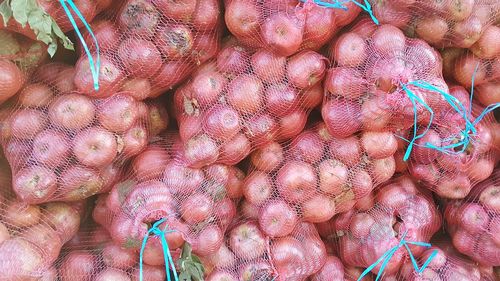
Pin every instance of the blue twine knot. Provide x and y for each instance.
(386, 257)
(458, 143)
(94, 67)
(166, 251)
(339, 4)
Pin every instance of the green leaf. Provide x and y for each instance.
(20, 11)
(191, 268)
(42, 24)
(5, 11)
(184, 276)
(62, 37)
(52, 49)
(186, 251)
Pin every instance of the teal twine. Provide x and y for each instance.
(386, 257)
(470, 129)
(457, 106)
(94, 67)
(414, 98)
(340, 5)
(166, 251)
(336, 5)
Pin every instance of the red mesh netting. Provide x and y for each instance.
(62, 145)
(474, 222)
(248, 254)
(453, 173)
(313, 178)
(399, 211)
(245, 99)
(149, 46)
(286, 26)
(365, 89)
(197, 204)
(441, 23)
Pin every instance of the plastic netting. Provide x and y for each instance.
(381, 237)
(474, 222)
(245, 99)
(62, 145)
(314, 177)
(452, 172)
(92, 255)
(248, 254)
(19, 56)
(487, 75)
(448, 23)
(446, 264)
(149, 46)
(287, 26)
(31, 236)
(376, 81)
(197, 205)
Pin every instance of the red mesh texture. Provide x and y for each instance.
(31, 236)
(150, 46)
(248, 254)
(474, 222)
(92, 256)
(313, 178)
(197, 204)
(457, 23)
(24, 52)
(486, 78)
(365, 86)
(62, 145)
(19, 56)
(285, 26)
(244, 100)
(452, 174)
(447, 265)
(398, 208)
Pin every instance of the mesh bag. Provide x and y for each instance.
(468, 157)
(31, 236)
(193, 205)
(377, 81)
(248, 254)
(441, 23)
(92, 255)
(245, 99)
(486, 73)
(62, 145)
(313, 177)
(148, 46)
(19, 56)
(446, 264)
(287, 26)
(473, 222)
(397, 226)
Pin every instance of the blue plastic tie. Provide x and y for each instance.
(414, 98)
(335, 5)
(367, 8)
(166, 251)
(470, 129)
(94, 67)
(386, 257)
(340, 5)
(455, 104)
